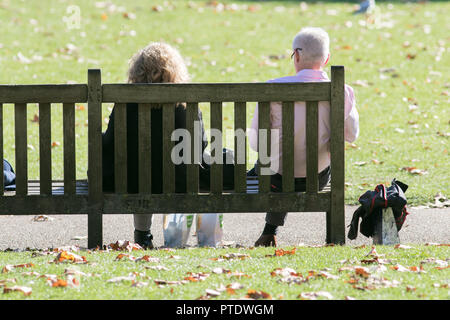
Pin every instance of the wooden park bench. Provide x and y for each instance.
(72, 196)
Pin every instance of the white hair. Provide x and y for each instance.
(314, 44)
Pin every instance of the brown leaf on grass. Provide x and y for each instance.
(159, 268)
(212, 293)
(315, 295)
(25, 290)
(410, 289)
(362, 271)
(400, 268)
(438, 285)
(282, 252)
(57, 283)
(3, 282)
(55, 144)
(35, 118)
(402, 246)
(239, 275)
(234, 286)
(414, 170)
(221, 270)
(148, 259)
(9, 267)
(284, 272)
(161, 283)
(194, 277)
(67, 256)
(442, 268)
(124, 245)
(254, 294)
(231, 256)
(120, 256)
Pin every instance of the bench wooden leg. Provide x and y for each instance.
(95, 229)
(336, 226)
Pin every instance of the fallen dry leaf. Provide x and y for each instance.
(25, 290)
(67, 256)
(9, 267)
(254, 294)
(315, 295)
(122, 245)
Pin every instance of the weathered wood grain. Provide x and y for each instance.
(207, 92)
(45, 148)
(120, 147)
(95, 219)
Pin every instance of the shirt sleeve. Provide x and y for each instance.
(351, 124)
(253, 134)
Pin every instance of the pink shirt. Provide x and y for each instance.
(351, 126)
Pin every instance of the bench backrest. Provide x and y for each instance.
(146, 95)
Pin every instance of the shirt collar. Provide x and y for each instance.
(312, 75)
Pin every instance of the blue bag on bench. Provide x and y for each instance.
(9, 177)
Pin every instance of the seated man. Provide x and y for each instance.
(310, 54)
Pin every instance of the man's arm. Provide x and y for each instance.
(253, 134)
(351, 125)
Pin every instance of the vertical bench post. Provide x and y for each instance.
(69, 148)
(240, 147)
(216, 168)
(336, 216)
(95, 227)
(288, 115)
(45, 149)
(264, 124)
(20, 114)
(192, 171)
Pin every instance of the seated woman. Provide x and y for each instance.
(156, 63)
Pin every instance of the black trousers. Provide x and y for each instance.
(278, 218)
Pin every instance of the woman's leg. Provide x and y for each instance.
(142, 234)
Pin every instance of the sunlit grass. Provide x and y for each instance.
(252, 272)
(251, 42)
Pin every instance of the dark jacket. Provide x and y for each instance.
(372, 203)
(156, 150)
(9, 177)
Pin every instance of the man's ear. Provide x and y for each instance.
(326, 61)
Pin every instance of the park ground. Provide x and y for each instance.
(397, 61)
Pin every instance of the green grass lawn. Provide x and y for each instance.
(396, 59)
(341, 272)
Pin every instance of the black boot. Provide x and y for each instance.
(144, 239)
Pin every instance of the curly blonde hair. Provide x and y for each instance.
(158, 62)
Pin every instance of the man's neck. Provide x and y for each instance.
(304, 68)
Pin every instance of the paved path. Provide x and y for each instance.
(20, 232)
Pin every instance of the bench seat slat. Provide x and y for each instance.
(225, 202)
